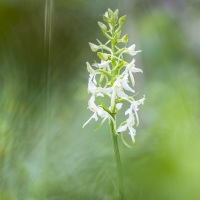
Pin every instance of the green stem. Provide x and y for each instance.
(118, 162)
(113, 127)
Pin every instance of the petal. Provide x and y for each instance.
(122, 94)
(133, 53)
(94, 79)
(122, 128)
(119, 106)
(91, 104)
(141, 101)
(104, 64)
(91, 86)
(102, 113)
(99, 94)
(128, 111)
(127, 87)
(132, 133)
(132, 78)
(107, 90)
(134, 70)
(95, 116)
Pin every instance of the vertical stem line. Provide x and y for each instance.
(113, 131)
(118, 162)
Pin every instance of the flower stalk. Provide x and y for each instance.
(111, 79)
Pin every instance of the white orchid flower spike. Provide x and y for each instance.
(110, 78)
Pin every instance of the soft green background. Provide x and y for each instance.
(45, 153)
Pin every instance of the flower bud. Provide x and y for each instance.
(93, 47)
(103, 56)
(110, 12)
(116, 15)
(89, 68)
(124, 39)
(106, 18)
(122, 20)
(102, 26)
(106, 14)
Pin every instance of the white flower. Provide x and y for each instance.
(103, 65)
(130, 69)
(124, 82)
(117, 89)
(92, 72)
(98, 91)
(98, 111)
(131, 50)
(134, 108)
(130, 122)
(93, 47)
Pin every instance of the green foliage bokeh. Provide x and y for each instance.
(56, 159)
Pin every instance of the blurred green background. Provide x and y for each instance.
(45, 153)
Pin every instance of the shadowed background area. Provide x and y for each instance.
(45, 153)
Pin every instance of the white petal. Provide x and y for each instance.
(131, 64)
(91, 104)
(117, 83)
(99, 94)
(122, 128)
(127, 87)
(94, 79)
(119, 106)
(102, 113)
(141, 101)
(132, 47)
(133, 53)
(122, 94)
(91, 86)
(128, 111)
(104, 64)
(132, 133)
(107, 90)
(134, 70)
(95, 116)
(132, 78)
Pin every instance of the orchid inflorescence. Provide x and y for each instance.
(110, 78)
